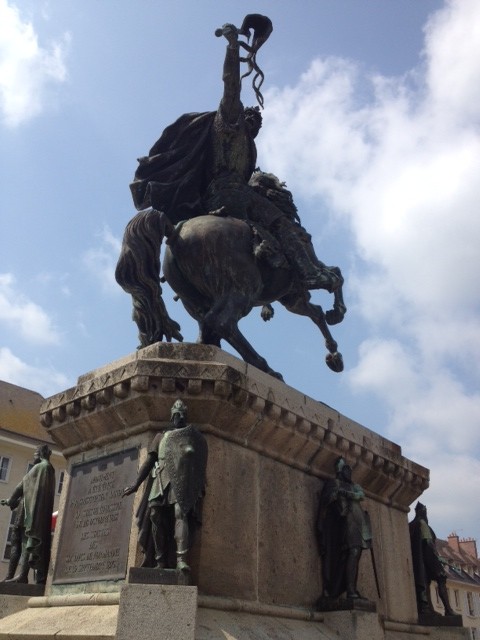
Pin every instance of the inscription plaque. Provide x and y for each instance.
(96, 524)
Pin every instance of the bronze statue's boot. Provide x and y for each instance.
(423, 604)
(41, 576)
(351, 572)
(312, 277)
(20, 578)
(181, 562)
(182, 535)
(16, 555)
(443, 593)
(160, 562)
(297, 245)
(10, 574)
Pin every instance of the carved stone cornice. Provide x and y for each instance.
(231, 400)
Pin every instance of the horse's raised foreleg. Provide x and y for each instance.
(222, 321)
(301, 305)
(336, 315)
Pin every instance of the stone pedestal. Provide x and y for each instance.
(255, 561)
(437, 620)
(171, 609)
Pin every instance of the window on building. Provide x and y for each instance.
(8, 542)
(457, 599)
(4, 468)
(61, 478)
(471, 610)
(474, 633)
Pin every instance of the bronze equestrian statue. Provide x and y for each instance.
(234, 237)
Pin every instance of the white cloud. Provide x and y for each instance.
(27, 71)
(44, 380)
(398, 160)
(453, 495)
(453, 55)
(22, 315)
(102, 259)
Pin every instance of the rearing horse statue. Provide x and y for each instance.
(220, 270)
(234, 238)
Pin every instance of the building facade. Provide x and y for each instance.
(462, 566)
(20, 433)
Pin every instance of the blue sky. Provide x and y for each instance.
(372, 118)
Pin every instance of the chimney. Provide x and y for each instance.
(454, 542)
(469, 545)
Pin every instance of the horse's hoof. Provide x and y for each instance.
(267, 312)
(334, 361)
(334, 316)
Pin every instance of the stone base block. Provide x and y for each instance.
(170, 613)
(11, 604)
(358, 625)
(61, 623)
(228, 625)
(144, 607)
(401, 631)
(436, 620)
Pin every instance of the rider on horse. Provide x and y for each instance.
(206, 163)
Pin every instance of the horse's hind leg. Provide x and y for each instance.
(222, 321)
(207, 335)
(301, 305)
(238, 341)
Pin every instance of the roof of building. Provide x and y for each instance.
(459, 564)
(20, 412)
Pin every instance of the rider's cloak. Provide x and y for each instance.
(175, 169)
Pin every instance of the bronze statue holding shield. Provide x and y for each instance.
(170, 508)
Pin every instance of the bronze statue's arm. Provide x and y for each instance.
(231, 106)
(145, 469)
(15, 498)
(356, 493)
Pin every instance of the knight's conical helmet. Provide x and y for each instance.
(178, 407)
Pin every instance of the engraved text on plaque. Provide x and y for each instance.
(97, 520)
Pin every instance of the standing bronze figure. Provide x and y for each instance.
(343, 531)
(34, 496)
(170, 509)
(427, 565)
(238, 241)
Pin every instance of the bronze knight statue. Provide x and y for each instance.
(33, 497)
(344, 530)
(234, 237)
(427, 565)
(226, 162)
(170, 510)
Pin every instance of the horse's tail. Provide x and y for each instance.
(138, 273)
